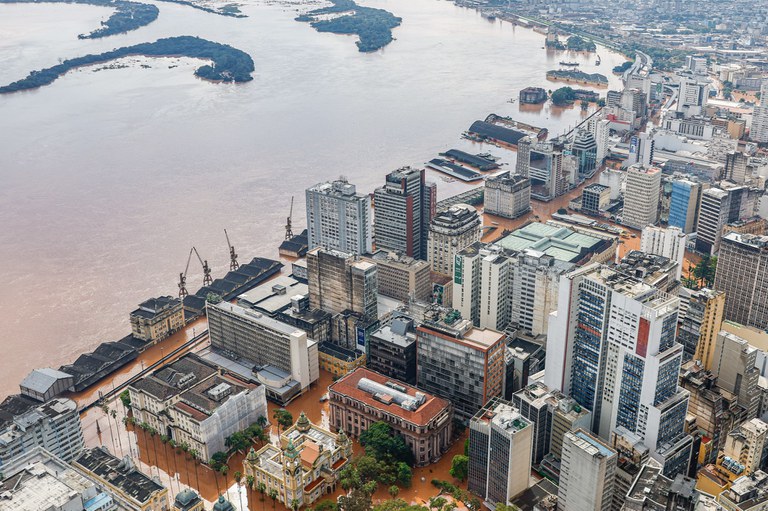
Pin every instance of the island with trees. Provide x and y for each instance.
(563, 96)
(577, 77)
(127, 16)
(231, 10)
(372, 26)
(577, 43)
(622, 67)
(228, 64)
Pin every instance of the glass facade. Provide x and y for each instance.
(629, 394)
(678, 208)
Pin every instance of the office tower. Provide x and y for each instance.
(339, 218)
(584, 148)
(733, 362)
(548, 165)
(600, 129)
(635, 101)
(392, 350)
(499, 452)
(402, 277)
(746, 443)
(698, 331)
(669, 243)
(482, 285)
(719, 207)
(612, 348)
(613, 179)
(507, 195)
(742, 273)
(684, 205)
(462, 364)
(641, 200)
(692, 95)
(587, 473)
(523, 164)
(449, 232)
(759, 130)
(736, 170)
(641, 150)
(253, 337)
(595, 198)
(338, 282)
(404, 207)
(696, 65)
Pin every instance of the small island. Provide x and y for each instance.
(567, 75)
(372, 26)
(622, 67)
(127, 16)
(231, 10)
(228, 64)
(573, 43)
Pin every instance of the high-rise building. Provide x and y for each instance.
(699, 329)
(402, 277)
(482, 285)
(449, 232)
(641, 199)
(462, 364)
(404, 207)
(759, 130)
(392, 350)
(733, 362)
(692, 95)
(667, 242)
(500, 442)
(601, 130)
(641, 150)
(746, 443)
(684, 205)
(612, 348)
(548, 165)
(584, 148)
(339, 218)
(736, 167)
(595, 198)
(719, 207)
(587, 473)
(339, 282)
(742, 273)
(507, 195)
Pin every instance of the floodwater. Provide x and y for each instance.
(109, 177)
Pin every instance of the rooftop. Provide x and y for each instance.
(561, 243)
(40, 380)
(591, 445)
(120, 474)
(503, 415)
(256, 317)
(430, 407)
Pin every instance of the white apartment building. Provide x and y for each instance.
(339, 218)
(667, 242)
(587, 473)
(641, 200)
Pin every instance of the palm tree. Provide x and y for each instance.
(394, 491)
(195, 461)
(262, 421)
(295, 504)
(261, 487)
(273, 496)
(250, 481)
(238, 476)
(113, 413)
(215, 476)
(105, 409)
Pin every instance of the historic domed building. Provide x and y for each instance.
(306, 465)
(223, 504)
(188, 500)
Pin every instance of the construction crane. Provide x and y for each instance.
(207, 280)
(233, 264)
(288, 231)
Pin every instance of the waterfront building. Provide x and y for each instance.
(45, 384)
(338, 360)
(584, 148)
(641, 199)
(157, 318)
(287, 361)
(339, 282)
(38, 480)
(130, 487)
(401, 277)
(405, 206)
(595, 198)
(719, 207)
(304, 467)
(698, 330)
(462, 364)
(363, 397)
(507, 195)
(392, 350)
(27, 423)
(745, 445)
(612, 348)
(734, 363)
(449, 232)
(587, 473)
(533, 95)
(742, 273)
(684, 204)
(188, 500)
(482, 285)
(500, 443)
(191, 403)
(339, 218)
(667, 242)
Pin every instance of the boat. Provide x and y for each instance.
(597, 62)
(569, 64)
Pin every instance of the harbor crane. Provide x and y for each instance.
(288, 231)
(233, 264)
(207, 279)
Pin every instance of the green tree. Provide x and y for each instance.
(125, 397)
(283, 418)
(273, 496)
(394, 491)
(326, 505)
(437, 503)
(381, 442)
(356, 500)
(459, 467)
(295, 504)
(404, 474)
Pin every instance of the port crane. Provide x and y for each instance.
(288, 231)
(233, 264)
(207, 279)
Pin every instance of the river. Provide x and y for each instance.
(109, 177)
